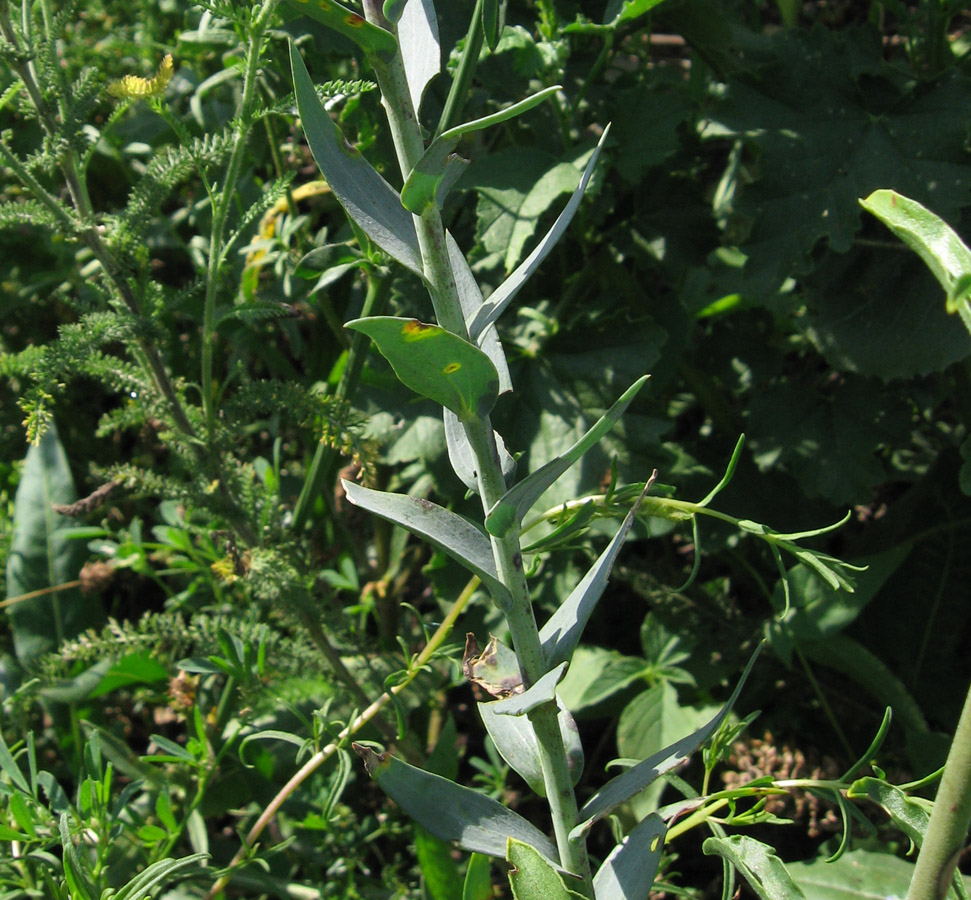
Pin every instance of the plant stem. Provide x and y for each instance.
(224, 200)
(506, 550)
(950, 818)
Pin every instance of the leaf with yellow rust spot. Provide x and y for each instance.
(435, 363)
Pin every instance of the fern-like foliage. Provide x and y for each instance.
(17, 214)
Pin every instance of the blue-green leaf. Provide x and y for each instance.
(377, 43)
(628, 871)
(449, 810)
(368, 199)
(516, 742)
(441, 528)
(634, 780)
(503, 295)
(509, 510)
(561, 633)
(421, 52)
(544, 691)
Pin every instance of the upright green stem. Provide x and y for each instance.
(950, 818)
(506, 550)
(225, 197)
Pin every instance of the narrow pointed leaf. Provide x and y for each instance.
(758, 864)
(516, 742)
(421, 52)
(634, 780)
(628, 872)
(441, 528)
(435, 363)
(374, 41)
(470, 298)
(532, 877)
(158, 873)
(424, 185)
(449, 810)
(503, 295)
(515, 503)
(561, 633)
(478, 881)
(492, 16)
(462, 458)
(366, 197)
(544, 691)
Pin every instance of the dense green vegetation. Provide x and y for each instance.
(199, 617)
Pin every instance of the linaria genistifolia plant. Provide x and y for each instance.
(457, 361)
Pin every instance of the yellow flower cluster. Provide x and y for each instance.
(133, 87)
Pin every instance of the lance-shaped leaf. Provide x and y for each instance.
(435, 363)
(493, 19)
(561, 633)
(459, 451)
(532, 877)
(927, 234)
(424, 186)
(634, 780)
(628, 871)
(462, 458)
(449, 810)
(516, 742)
(470, 298)
(544, 691)
(509, 509)
(367, 198)
(374, 41)
(503, 295)
(441, 528)
(421, 52)
(761, 868)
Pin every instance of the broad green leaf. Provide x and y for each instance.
(544, 691)
(596, 675)
(374, 41)
(449, 811)
(652, 720)
(857, 875)
(515, 740)
(628, 871)
(478, 880)
(928, 235)
(367, 198)
(503, 295)
(435, 363)
(532, 877)
(136, 668)
(516, 186)
(41, 556)
(438, 869)
(428, 183)
(635, 779)
(509, 510)
(910, 816)
(421, 52)
(757, 862)
(624, 10)
(561, 633)
(441, 528)
(832, 121)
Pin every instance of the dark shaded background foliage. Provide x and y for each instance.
(722, 249)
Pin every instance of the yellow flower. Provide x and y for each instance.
(133, 87)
